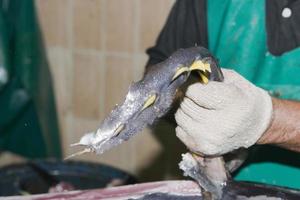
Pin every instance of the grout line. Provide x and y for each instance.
(69, 117)
(136, 58)
(103, 25)
(103, 19)
(136, 25)
(105, 54)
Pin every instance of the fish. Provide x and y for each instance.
(150, 99)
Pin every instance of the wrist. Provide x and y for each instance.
(284, 129)
(270, 136)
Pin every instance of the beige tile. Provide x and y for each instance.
(66, 133)
(120, 25)
(140, 63)
(87, 85)
(53, 17)
(87, 24)
(119, 75)
(60, 65)
(152, 15)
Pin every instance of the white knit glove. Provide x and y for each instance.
(219, 117)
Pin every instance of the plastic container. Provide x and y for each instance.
(40, 176)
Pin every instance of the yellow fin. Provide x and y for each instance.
(199, 65)
(149, 101)
(204, 78)
(119, 129)
(180, 71)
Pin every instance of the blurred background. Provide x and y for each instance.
(94, 50)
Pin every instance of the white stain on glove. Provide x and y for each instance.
(220, 117)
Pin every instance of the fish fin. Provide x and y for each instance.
(149, 101)
(119, 129)
(204, 77)
(180, 71)
(201, 66)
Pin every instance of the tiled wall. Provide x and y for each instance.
(96, 48)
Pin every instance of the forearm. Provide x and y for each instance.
(284, 130)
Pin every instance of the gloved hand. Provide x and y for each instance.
(219, 117)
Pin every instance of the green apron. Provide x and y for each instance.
(28, 120)
(237, 37)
